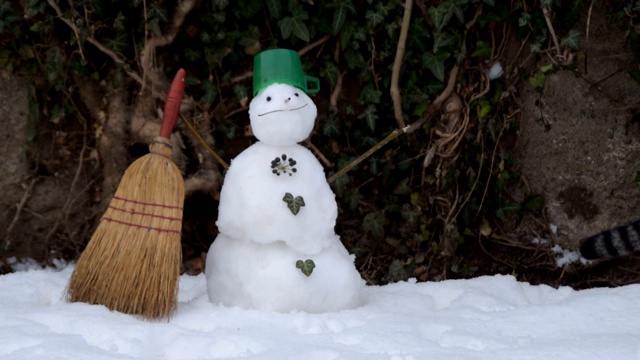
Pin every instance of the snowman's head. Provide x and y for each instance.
(282, 115)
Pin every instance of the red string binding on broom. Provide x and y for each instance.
(138, 226)
(144, 214)
(146, 203)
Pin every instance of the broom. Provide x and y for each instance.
(132, 262)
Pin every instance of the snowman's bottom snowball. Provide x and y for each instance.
(264, 276)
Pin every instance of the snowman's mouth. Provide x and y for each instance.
(273, 111)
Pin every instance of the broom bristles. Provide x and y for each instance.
(132, 262)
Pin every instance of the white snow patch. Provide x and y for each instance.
(490, 317)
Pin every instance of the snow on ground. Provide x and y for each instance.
(492, 317)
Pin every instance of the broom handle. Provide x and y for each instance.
(172, 105)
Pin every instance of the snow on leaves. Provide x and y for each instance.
(294, 203)
(306, 266)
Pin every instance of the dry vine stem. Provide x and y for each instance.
(117, 59)
(397, 64)
(202, 142)
(433, 109)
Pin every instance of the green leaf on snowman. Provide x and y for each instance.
(306, 266)
(294, 203)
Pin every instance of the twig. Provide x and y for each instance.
(19, 207)
(70, 24)
(436, 105)
(375, 148)
(451, 82)
(202, 142)
(183, 8)
(64, 211)
(484, 91)
(117, 59)
(547, 18)
(242, 77)
(318, 42)
(319, 154)
(397, 64)
(333, 99)
(493, 159)
(586, 37)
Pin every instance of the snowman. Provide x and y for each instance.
(277, 249)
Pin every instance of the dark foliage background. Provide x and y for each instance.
(444, 200)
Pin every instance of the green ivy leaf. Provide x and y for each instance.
(506, 210)
(353, 198)
(374, 18)
(534, 203)
(441, 14)
(241, 91)
(546, 68)
(220, 4)
(156, 12)
(340, 14)
(483, 49)
(275, 8)
(34, 7)
(485, 109)
(369, 95)
(438, 15)
(354, 59)
(435, 63)
(210, 91)
(120, 22)
(192, 55)
(410, 213)
(490, 2)
(373, 223)
(54, 65)
(572, 40)
(370, 116)
(537, 81)
(331, 127)
(306, 266)
(295, 25)
(293, 203)
(524, 19)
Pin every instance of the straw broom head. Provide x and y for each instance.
(132, 262)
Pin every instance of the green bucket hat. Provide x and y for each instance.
(281, 66)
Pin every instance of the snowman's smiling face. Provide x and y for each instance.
(282, 115)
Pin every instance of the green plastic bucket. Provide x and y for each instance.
(281, 66)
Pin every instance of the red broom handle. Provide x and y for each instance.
(172, 105)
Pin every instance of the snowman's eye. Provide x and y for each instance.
(296, 94)
(268, 98)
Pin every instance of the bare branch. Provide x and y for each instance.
(318, 42)
(117, 59)
(369, 152)
(397, 64)
(586, 39)
(547, 18)
(202, 142)
(19, 207)
(333, 99)
(183, 8)
(319, 154)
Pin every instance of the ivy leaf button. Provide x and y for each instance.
(306, 266)
(293, 203)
